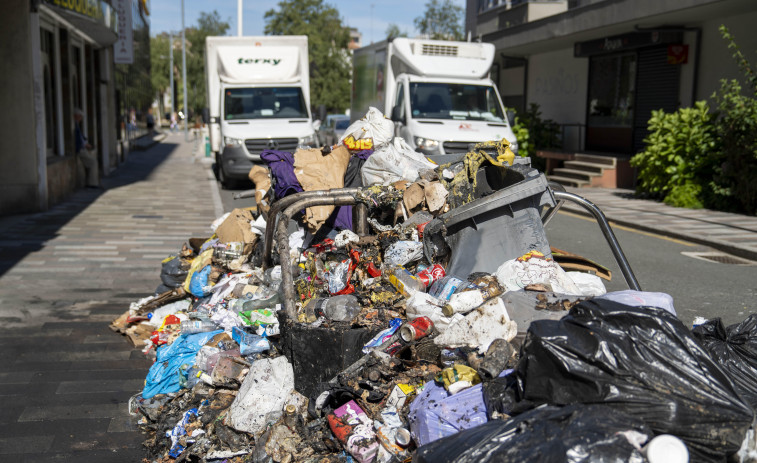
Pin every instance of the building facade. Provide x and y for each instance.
(599, 67)
(59, 57)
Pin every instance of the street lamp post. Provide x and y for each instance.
(184, 74)
(239, 18)
(170, 72)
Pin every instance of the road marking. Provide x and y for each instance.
(629, 229)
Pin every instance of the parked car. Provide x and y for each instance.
(333, 128)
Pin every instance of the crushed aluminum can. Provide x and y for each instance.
(431, 274)
(417, 329)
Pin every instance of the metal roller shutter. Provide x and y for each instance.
(657, 85)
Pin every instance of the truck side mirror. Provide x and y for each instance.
(205, 116)
(322, 112)
(397, 114)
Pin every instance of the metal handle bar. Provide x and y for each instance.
(617, 252)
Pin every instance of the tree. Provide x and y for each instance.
(327, 47)
(209, 24)
(159, 65)
(441, 21)
(393, 31)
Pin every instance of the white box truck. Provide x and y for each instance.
(258, 98)
(438, 93)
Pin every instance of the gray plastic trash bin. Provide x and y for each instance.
(504, 225)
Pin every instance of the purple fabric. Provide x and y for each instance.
(281, 164)
(342, 218)
(434, 413)
(285, 182)
(362, 154)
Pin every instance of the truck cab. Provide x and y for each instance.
(438, 93)
(439, 117)
(254, 119)
(258, 98)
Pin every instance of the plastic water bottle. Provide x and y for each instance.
(197, 326)
(265, 299)
(337, 308)
(403, 281)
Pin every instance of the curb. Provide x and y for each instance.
(713, 243)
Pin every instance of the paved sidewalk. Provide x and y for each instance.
(65, 377)
(731, 233)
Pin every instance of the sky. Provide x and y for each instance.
(165, 15)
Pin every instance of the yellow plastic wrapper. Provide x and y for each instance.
(198, 263)
(459, 377)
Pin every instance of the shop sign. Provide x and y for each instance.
(97, 10)
(678, 54)
(123, 49)
(630, 41)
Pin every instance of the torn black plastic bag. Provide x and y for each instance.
(735, 349)
(173, 272)
(572, 434)
(641, 361)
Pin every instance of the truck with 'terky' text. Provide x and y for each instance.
(258, 97)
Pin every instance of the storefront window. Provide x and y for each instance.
(48, 77)
(612, 82)
(611, 90)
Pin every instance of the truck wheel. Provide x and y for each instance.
(226, 182)
(222, 179)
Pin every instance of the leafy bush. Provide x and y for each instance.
(534, 133)
(678, 152)
(686, 195)
(696, 159)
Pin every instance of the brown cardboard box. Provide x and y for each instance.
(236, 227)
(315, 171)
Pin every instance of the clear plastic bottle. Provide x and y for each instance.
(197, 326)
(193, 377)
(403, 281)
(337, 308)
(265, 298)
(272, 276)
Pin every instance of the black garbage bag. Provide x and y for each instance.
(641, 361)
(735, 349)
(173, 272)
(572, 434)
(498, 398)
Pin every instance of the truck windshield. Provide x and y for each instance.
(455, 101)
(264, 103)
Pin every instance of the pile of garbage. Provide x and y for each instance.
(418, 312)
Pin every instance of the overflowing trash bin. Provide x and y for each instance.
(377, 307)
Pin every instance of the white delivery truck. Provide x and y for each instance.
(258, 98)
(438, 93)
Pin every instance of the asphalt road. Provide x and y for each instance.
(230, 203)
(699, 287)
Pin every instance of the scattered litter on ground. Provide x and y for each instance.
(418, 312)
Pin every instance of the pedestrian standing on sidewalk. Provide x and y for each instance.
(84, 151)
(150, 120)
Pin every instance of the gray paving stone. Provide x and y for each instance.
(86, 387)
(67, 412)
(23, 445)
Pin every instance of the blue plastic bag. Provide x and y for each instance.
(249, 343)
(164, 375)
(199, 281)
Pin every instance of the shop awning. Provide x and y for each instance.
(94, 18)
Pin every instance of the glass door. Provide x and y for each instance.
(612, 87)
